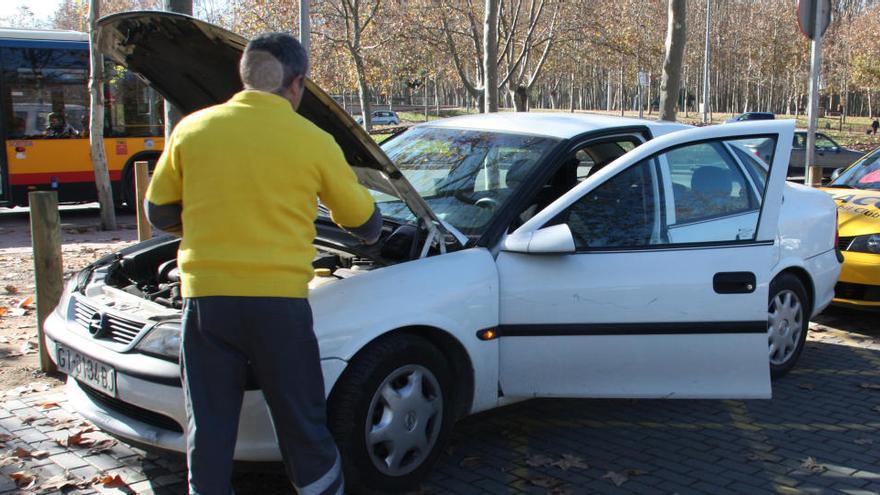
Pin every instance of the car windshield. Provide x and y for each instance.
(864, 174)
(465, 176)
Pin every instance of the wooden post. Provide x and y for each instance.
(46, 238)
(141, 181)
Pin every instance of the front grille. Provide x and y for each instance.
(134, 412)
(83, 313)
(857, 292)
(843, 243)
(113, 327)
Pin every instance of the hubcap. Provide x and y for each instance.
(784, 327)
(404, 420)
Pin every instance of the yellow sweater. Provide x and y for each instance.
(248, 174)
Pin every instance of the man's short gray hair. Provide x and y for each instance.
(272, 61)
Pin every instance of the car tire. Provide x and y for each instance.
(129, 194)
(787, 323)
(363, 409)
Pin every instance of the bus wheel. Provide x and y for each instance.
(129, 195)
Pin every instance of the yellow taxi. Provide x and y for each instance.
(857, 193)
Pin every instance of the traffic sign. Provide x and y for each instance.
(807, 17)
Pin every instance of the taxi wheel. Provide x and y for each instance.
(787, 323)
(391, 413)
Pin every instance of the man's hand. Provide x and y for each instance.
(370, 230)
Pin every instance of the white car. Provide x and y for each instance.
(381, 117)
(524, 255)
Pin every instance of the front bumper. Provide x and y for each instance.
(149, 407)
(859, 283)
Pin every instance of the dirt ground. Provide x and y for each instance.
(82, 243)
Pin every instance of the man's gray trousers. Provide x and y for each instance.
(222, 338)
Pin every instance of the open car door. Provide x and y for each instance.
(651, 278)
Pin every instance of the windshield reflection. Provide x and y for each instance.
(465, 176)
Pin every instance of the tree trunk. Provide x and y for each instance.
(96, 122)
(363, 90)
(490, 56)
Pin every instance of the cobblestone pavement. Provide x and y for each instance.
(819, 434)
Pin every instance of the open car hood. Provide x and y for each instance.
(194, 64)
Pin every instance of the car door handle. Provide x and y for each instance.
(734, 282)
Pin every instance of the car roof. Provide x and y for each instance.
(551, 124)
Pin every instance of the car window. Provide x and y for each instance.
(622, 212)
(594, 156)
(823, 142)
(692, 194)
(706, 183)
(864, 174)
(797, 141)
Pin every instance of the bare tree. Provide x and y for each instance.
(490, 55)
(676, 37)
(96, 122)
(172, 114)
(348, 23)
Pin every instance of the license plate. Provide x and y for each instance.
(87, 370)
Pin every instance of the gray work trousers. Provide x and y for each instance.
(222, 338)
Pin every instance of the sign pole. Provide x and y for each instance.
(819, 13)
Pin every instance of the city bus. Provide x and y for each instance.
(44, 117)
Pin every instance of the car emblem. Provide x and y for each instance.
(96, 324)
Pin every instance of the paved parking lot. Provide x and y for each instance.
(819, 434)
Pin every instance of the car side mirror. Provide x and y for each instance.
(555, 239)
(835, 174)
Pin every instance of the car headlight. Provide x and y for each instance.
(866, 244)
(162, 341)
(64, 300)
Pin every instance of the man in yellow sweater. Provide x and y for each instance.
(241, 182)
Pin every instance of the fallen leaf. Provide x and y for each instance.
(543, 481)
(569, 461)
(76, 440)
(5, 438)
(26, 303)
(24, 479)
(760, 456)
(49, 405)
(616, 478)
(109, 481)
(876, 409)
(11, 289)
(102, 446)
(23, 453)
(811, 464)
(32, 419)
(5, 461)
(3, 310)
(870, 386)
(863, 441)
(536, 460)
(62, 481)
(470, 462)
(807, 386)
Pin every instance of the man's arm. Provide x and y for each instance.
(166, 218)
(351, 205)
(164, 200)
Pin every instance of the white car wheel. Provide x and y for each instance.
(390, 413)
(787, 323)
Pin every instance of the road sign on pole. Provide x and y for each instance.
(814, 17)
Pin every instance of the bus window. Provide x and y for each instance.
(45, 92)
(132, 108)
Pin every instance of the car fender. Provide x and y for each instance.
(454, 292)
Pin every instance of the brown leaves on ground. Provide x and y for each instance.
(863, 441)
(26, 303)
(23, 453)
(621, 478)
(870, 386)
(49, 405)
(807, 386)
(536, 460)
(26, 389)
(3, 310)
(102, 446)
(470, 462)
(11, 290)
(111, 481)
(24, 479)
(76, 439)
(810, 464)
(761, 457)
(569, 461)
